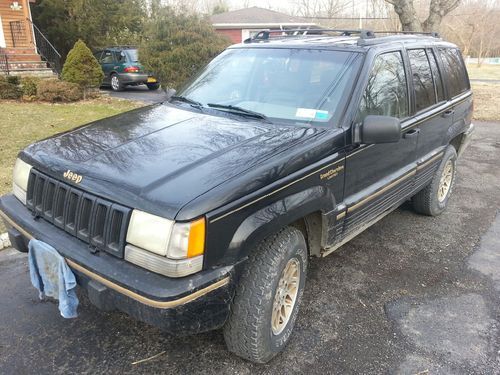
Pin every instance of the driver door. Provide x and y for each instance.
(378, 176)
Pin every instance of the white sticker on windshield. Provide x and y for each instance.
(305, 113)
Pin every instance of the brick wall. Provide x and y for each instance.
(9, 15)
(233, 34)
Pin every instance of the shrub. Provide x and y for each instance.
(52, 90)
(9, 90)
(29, 86)
(178, 44)
(13, 80)
(82, 68)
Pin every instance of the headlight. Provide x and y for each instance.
(179, 247)
(20, 179)
(149, 232)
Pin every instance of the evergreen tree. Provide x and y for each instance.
(98, 23)
(178, 44)
(82, 68)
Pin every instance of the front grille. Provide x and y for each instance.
(98, 222)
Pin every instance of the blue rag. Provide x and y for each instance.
(51, 276)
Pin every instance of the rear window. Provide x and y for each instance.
(457, 81)
(132, 54)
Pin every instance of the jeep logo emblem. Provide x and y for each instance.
(72, 176)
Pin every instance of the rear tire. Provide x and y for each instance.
(267, 300)
(433, 199)
(153, 86)
(116, 83)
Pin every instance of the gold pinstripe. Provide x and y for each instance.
(124, 291)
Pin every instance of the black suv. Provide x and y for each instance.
(203, 212)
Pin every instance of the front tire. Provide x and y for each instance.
(267, 300)
(433, 199)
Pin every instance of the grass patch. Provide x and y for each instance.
(486, 104)
(24, 123)
(486, 71)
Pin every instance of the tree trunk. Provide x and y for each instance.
(407, 15)
(409, 19)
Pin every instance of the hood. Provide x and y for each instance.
(161, 157)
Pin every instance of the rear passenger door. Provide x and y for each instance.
(430, 117)
(458, 88)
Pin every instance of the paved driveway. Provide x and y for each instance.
(410, 295)
(139, 93)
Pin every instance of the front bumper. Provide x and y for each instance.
(188, 305)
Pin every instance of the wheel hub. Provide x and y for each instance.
(445, 181)
(114, 82)
(286, 296)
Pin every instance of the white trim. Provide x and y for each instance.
(3, 44)
(259, 25)
(32, 28)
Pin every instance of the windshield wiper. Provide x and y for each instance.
(239, 111)
(184, 99)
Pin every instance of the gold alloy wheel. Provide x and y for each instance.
(286, 296)
(445, 182)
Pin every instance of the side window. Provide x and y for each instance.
(120, 57)
(457, 81)
(107, 57)
(425, 94)
(436, 74)
(386, 92)
(97, 55)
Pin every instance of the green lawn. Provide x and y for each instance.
(484, 72)
(24, 123)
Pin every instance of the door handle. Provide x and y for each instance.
(448, 113)
(411, 133)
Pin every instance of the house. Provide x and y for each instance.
(241, 24)
(23, 48)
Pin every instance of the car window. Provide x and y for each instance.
(436, 74)
(295, 86)
(107, 57)
(456, 80)
(120, 56)
(97, 55)
(386, 93)
(425, 94)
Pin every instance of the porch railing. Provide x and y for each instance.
(18, 33)
(46, 50)
(4, 62)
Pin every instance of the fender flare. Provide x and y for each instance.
(285, 211)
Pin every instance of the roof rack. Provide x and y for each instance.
(364, 34)
(433, 34)
(125, 46)
(282, 33)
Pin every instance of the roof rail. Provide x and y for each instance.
(124, 46)
(433, 34)
(282, 33)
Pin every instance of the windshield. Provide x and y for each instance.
(296, 86)
(132, 54)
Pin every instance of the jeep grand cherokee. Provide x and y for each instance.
(203, 212)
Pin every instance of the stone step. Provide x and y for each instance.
(30, 65)
(23, 57)
(42, 73)
(18, 51)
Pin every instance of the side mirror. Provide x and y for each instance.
(380, 129)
